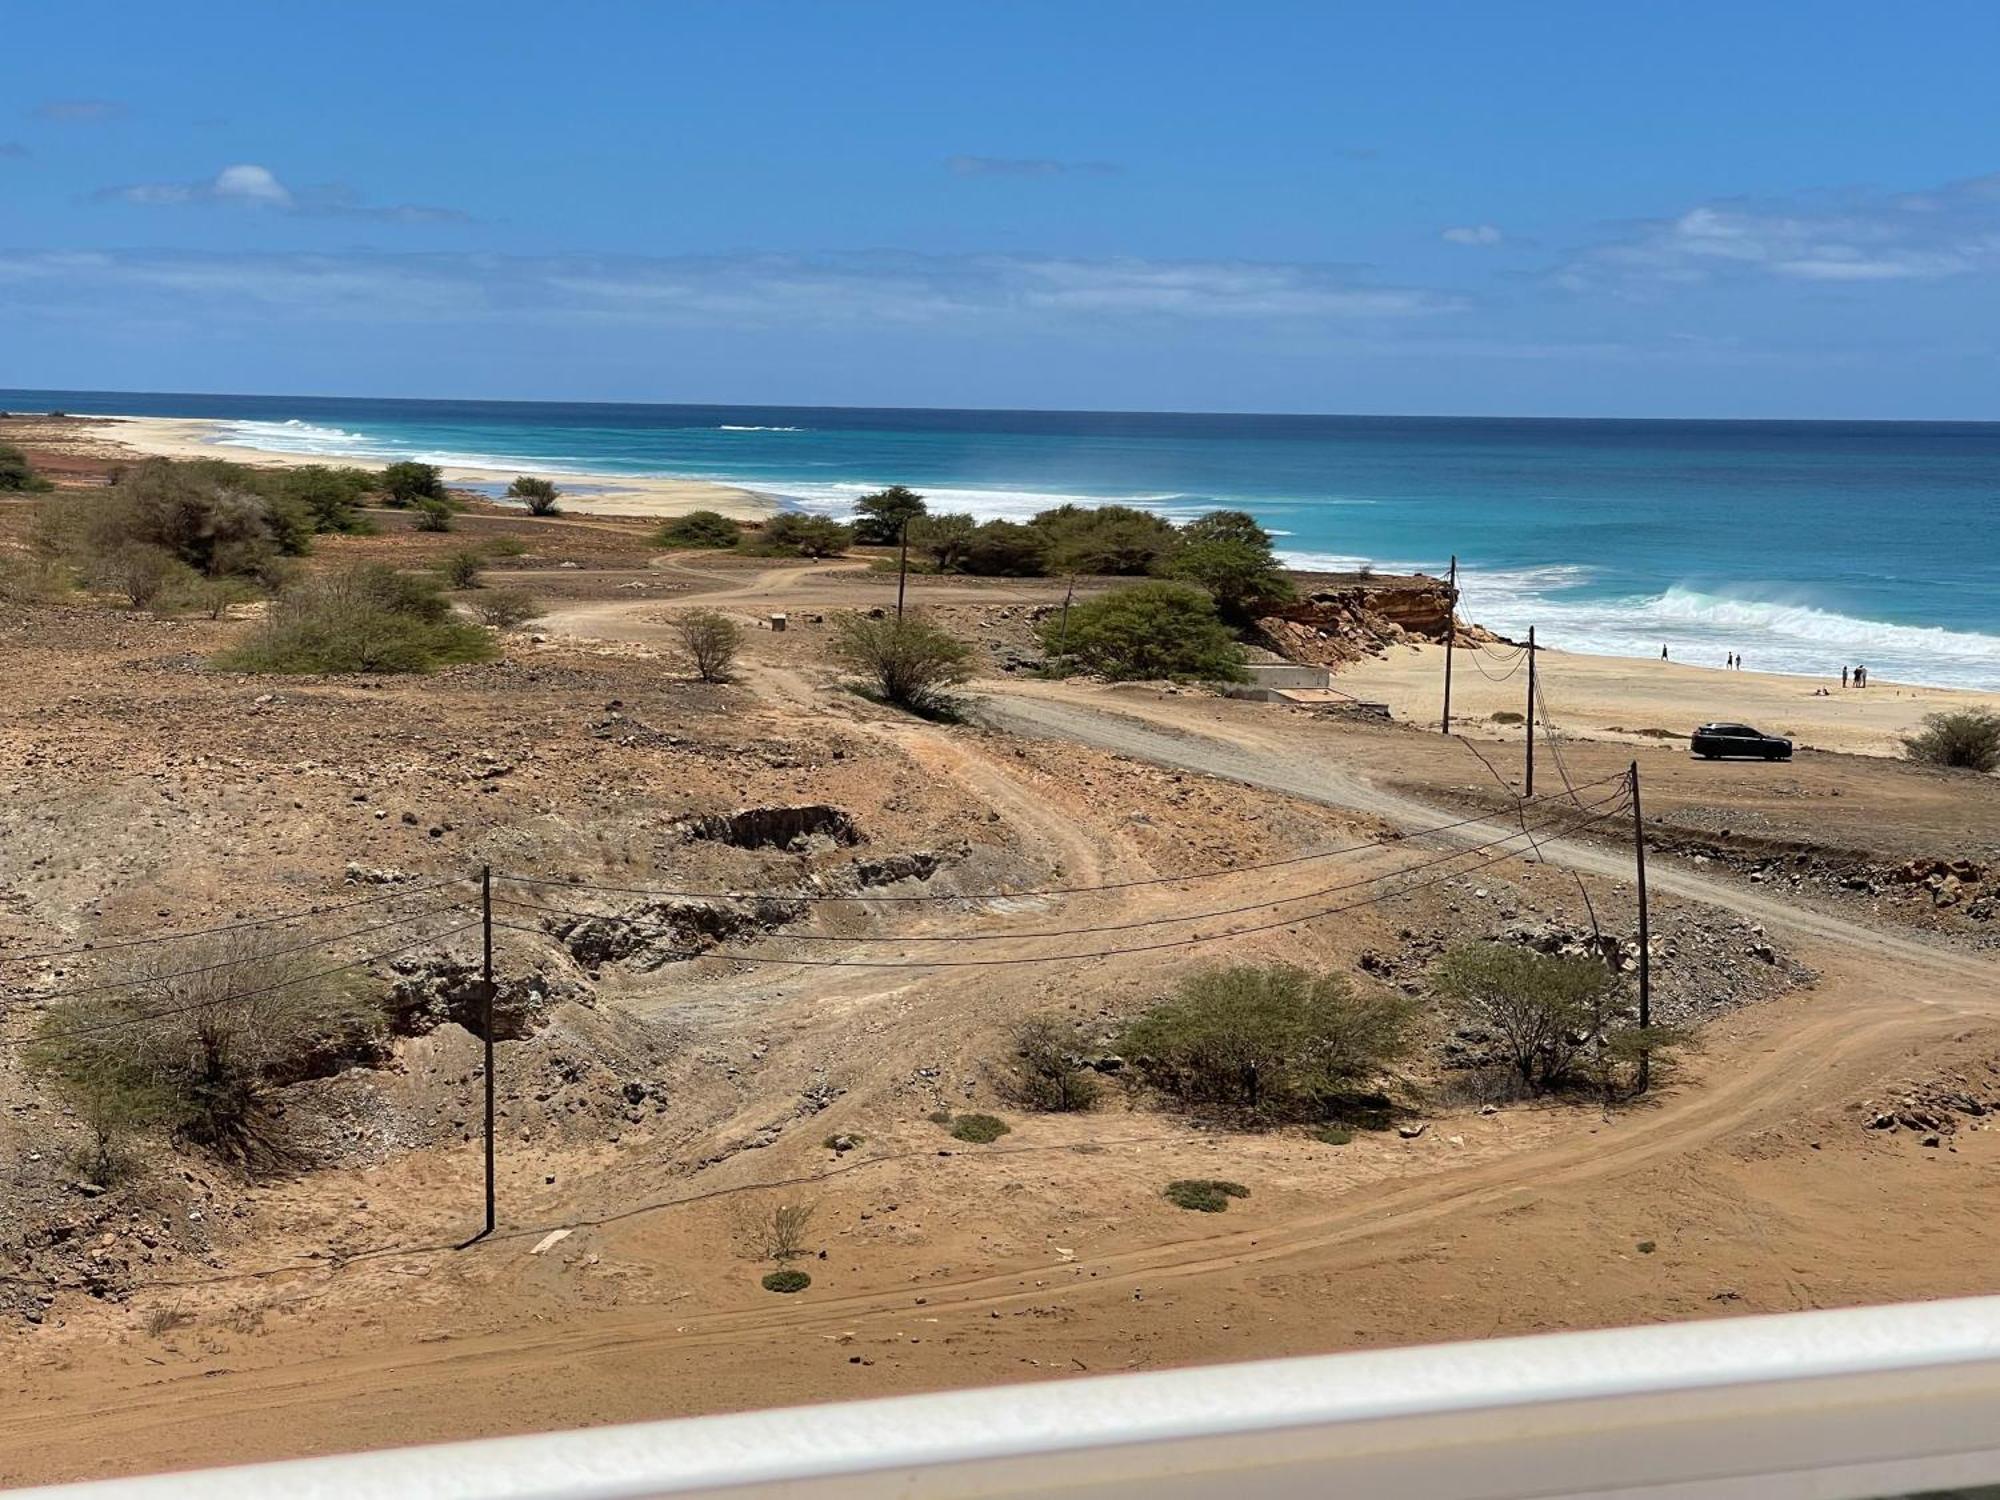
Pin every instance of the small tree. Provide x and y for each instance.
(1107, 539)
(879, 518)
(775, 1233)
(1145, 631)
(710, 642)
(909, 662)
(1964, 739)
(946, 539)
(143, 574)
(698, 528)
(1006, 549)
(1547, 1013)
(507, 608)
(1229, 554)
(1267, 1042)
(461, 569)
(407, 482)
(1044, 1073)
(17, 476)
(539, 495)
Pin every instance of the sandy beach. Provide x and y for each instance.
(1618, 697)
(585, 494)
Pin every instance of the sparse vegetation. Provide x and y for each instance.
(1227, 553)
(198, 1046)
(504, 609)
(787, 1280)
(1267, 1043)
(1115, 540)
(775, 1233)
(710, 641)
(1148, 631)
(979, 1130)
(698, 528)
(1333, 1135)
(1507, 716)
(433, 515)
(1964, 739)
(908, 662)
(798, 535)
(539, 495)
(1204, 1195)
(368, 618)
(1044, 1073)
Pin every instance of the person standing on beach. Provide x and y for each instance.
(1843, 677)
(1739, 661)
(1663, 653)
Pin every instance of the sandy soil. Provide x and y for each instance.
(328, 1310)
(586, 494)
(1630, 699)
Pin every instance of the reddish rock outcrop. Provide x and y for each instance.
(1343, 618)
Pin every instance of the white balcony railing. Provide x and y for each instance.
(1844, 1405)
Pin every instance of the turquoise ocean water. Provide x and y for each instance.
(1802, 545)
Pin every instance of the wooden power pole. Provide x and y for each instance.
(1529, 791)
(486, 1019)
(902, 565)
(1645, 930)
(1450, 640)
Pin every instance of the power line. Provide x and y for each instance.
(175, 1010)
(169, 937)
(1014, 895)
(232, 963)
(1045, 958)
(1200, 916)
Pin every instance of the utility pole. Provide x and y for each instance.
(1450, 640)
(486, 1018)
(1645, 931)
(1062, 632)
(902, 565)
(1530, 791)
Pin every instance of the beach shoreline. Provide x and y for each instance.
(585, 493)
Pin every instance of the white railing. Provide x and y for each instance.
(1844, 1405)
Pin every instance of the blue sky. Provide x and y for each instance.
(1698, 209)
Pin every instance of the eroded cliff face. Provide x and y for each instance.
(1342, 622)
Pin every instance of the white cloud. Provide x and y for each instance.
(750, 291)
(1943, 232)
(1028, 166)
(1472, 234)
(248, 183)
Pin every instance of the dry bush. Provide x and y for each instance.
(775, 1232)
(199, 1040)
(369, 618)
(507, 608)
(1966, 739)
(710, 642)
(1044, 1073)
(539, 495)
(908, 662)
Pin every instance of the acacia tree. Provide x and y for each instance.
(908, 661)
(879, 518)
(710, 642)
(1147, 631)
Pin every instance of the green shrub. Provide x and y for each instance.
(1333, 1135)
(328, 495)
(407, 482)
(1267, 1043)
(698, 528)
(507, 608)
(797, 534)
(208, 596)
(1205, 1195)
(507, 546)
(218, 519)
(1006, 549)
(1044, 1073)
(907, 662)
(1964, 739)
(31, 580)
(1106, 539)
(1147, 631)
(944, 539)
(939, 1117)
(144, 575)
(433, 515)
(1557, 1020)
(1229, 554)
(879, 518)
(980, 1130)
(787, 1280)
(16, 475)
(710, 642)
(539, 495)
(461, 569)
(369, 618)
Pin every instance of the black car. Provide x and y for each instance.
(1712, 740)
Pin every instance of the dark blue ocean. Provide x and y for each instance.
(1803, 545)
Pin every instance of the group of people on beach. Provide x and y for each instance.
(1854, 677)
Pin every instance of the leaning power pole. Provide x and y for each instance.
(1530, 790)
(1450, 640)
(1645, 931)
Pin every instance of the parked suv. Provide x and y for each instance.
(1712, 740)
